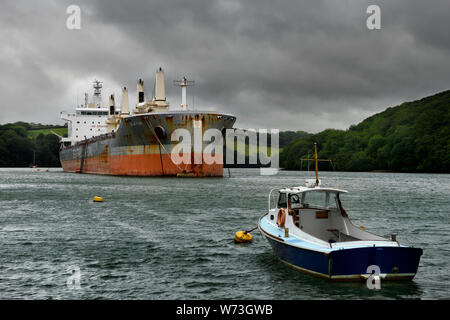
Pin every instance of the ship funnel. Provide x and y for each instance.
(140, 91)
(160, 91)
(112, 106)
(124, 110)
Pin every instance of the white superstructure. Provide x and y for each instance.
(85, 123)
(88, 120)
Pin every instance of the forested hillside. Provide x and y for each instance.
(411, 137)
(20, 140)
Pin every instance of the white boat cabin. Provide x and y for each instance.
(316, 214)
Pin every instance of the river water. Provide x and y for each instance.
(172, 238)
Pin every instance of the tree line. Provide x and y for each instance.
(411, 137)
(19, 149)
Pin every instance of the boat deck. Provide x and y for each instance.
(294, 240)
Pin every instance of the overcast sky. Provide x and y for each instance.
(297, 65)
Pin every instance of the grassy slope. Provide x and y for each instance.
(35, 133)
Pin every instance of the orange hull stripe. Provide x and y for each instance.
(140, 165)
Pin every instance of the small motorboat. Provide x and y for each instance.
(309, 230)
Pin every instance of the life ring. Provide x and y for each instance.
(281, 219)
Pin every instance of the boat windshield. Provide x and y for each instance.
(314, 199)
(309, 199)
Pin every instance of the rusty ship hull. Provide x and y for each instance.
(142, 146)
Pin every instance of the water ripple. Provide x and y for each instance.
(157, 238)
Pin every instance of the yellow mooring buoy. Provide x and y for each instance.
(242, 237)
(98, 199)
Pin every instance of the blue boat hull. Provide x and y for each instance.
(395, 263)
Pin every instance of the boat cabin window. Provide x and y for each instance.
(332, 201)
(294, 200)
(282, 203)
(314, 199)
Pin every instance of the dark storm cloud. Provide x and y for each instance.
(305, 65)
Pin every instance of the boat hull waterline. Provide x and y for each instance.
(344, 264)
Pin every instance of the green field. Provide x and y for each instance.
(35, 133)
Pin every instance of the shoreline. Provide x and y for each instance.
(280, 169)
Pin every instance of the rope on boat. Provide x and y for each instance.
(243, 236)
(251, 230)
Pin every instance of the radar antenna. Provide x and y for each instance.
(97, 98)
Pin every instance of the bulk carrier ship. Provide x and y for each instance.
(136, 142)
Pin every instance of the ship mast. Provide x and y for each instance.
(97, 98)
(183, 83)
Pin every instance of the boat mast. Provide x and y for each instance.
(317, 163)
